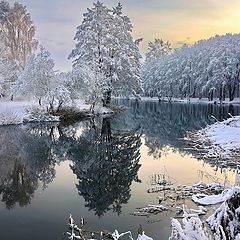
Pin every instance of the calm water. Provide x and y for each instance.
(98, 169)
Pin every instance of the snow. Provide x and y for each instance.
(207, 200)
(78, 232)
(150, 209)
(119, 68)
(17, 112)
(203, 199)
(143, 236)
(83, 107)
(116, 235)
(236, 101)
(226, 134)
(225, 220)
(221, 139)
(191, 228)
(10, 109)
(204, 69)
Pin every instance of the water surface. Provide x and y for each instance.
(99, 169)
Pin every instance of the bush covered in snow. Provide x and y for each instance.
(9, 116)
(191, 228)
(39, 114)
(225, 222)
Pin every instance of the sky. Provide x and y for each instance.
(177, 21)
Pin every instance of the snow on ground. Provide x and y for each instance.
(222, 138)
(83, 107)
(14, 112)
(225, 134)
(17, 112)
(236, 101)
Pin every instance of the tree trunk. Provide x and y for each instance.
(12, 97)
(221, 93)
(40, 101)
(59, 106)
(231, 90)
(224, 93)
(210, 95)
(92, 108)
(51, 109)
(106, 133)
(107, 99)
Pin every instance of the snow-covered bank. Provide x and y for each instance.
(12, 112)
(236, 101)
(220, 140)
(17, 112)
(225, 134)
(224, 222)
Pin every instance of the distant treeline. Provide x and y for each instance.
(209, 68)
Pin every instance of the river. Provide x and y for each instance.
(100, 169)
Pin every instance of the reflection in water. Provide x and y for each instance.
(25, 162)
(104, 156)
(107, 167)
(105, 162)
(18, 187)
(165, 124)
(105, 153)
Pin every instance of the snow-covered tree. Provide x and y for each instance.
(209, 68)
(37, 76)
(86, 84)
(105, 45)
(18, 32)
(58, 97)
(157, 49)
(8, 71)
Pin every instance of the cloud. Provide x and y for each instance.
(172, 20)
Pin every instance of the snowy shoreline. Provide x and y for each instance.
(18, 112)
(220, 140)
(236, 101)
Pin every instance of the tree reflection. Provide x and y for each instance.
(105, 152)
(108, 164)
(18, 187)
(165, 124)
(25, 161)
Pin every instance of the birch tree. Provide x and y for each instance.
(18, 31)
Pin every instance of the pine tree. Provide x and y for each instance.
(157, 49)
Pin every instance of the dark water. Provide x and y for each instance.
(98, 169)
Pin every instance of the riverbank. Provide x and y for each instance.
(236, 101)
(21, 111)
(220, 140)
